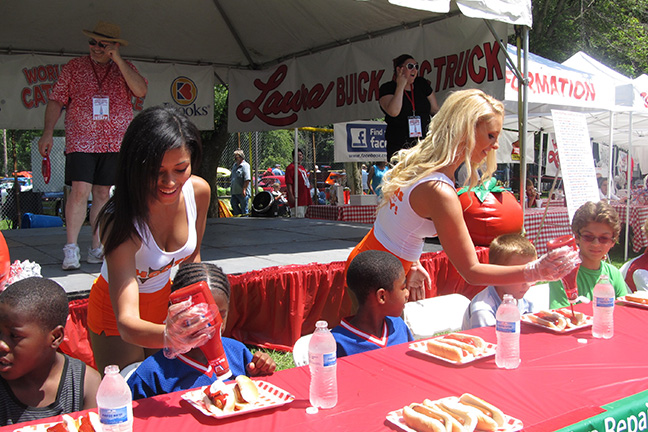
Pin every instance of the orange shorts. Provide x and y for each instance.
(101, 317)
(370, 242)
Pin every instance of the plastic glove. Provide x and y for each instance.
(187, 327)
(553, 265)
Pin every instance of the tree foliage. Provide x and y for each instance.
(615, 32)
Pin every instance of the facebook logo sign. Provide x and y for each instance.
(366, 138)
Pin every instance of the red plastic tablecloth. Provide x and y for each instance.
(273, 307)
(559, 382)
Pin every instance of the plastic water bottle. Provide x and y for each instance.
(507, 327)
(115, 402)
(603, 305)
(322, 360)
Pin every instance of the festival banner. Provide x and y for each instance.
(628, 415)
(26, 81)
(342, 83)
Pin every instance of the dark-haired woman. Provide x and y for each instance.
(408, 103)
(154, 221)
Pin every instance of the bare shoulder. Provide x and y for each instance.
(433, 198)
(91, 383)
(202, 191)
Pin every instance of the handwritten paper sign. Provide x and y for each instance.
(576, 160)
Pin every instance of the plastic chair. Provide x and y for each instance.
(300, 350)
(538, 295)
(128, 370)
(434, 315)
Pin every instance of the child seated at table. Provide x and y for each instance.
(635, 271)
(159, 375)
(378, 281)
(36, 381)
(596, 227)
(506, 249)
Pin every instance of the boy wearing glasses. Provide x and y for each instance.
(96, 91)
(596, 227)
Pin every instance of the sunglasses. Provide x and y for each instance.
(93, 42)
(411, 66)
(589, 238)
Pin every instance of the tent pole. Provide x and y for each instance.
(611, 143)
(524, 115)
(539, 182)
(296, 180)
(629, 186)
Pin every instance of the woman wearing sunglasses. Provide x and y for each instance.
(408, 103)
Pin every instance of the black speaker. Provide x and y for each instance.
(264, 205)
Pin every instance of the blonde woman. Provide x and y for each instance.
(420, 199)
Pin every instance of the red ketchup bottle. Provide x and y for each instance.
(199, 293)
(568, 281)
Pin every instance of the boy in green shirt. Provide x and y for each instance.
(596, 227)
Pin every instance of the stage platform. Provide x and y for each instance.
(238, 245)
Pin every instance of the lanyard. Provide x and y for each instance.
(410, 97)
(100, 82)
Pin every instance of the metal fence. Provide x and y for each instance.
(32, 195)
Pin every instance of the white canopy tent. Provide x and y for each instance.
(236, 36)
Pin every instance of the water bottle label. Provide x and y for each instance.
(329, 359)
(604, 301)
(113, 416)
(506, 326)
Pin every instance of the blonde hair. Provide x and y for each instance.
(451, 136)
(506, 246)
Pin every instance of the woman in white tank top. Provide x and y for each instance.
(420, 199)
(154, 221)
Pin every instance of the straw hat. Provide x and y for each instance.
(105, 31)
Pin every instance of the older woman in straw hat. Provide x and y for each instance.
(420, 199)
(96, 91)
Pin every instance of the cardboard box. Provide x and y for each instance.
(364, 200)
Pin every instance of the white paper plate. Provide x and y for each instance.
(421, 346)
(396, 418)
(587, 323)
(270, 396)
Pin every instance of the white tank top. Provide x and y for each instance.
(154, 265)
(399, 229)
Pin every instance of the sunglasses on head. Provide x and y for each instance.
(589, 238)
(411, 66)
(94, 42)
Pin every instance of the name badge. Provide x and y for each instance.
(100, 108)
(415, 126)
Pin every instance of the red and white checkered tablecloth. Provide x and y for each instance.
(348, 213)
(556, 224)
(363, 214)
(327, 212)
(638, 215)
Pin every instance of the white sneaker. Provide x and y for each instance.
(95, 256)
(72, 257)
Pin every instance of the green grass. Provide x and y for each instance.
(283, 359)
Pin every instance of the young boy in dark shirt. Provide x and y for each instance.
(36, 381)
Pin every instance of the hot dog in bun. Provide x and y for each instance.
(219, 398)
(574, 319)
(466, 418)
(489, 418)
(552, 320)
(456, 346)
(245, 392)
(426, 419)
(638, 297)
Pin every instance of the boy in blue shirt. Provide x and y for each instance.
(159, 375)
(507, 249)
(378, 281)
